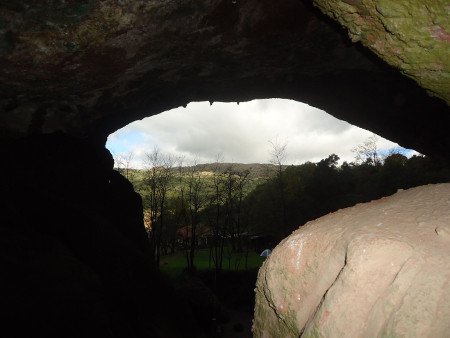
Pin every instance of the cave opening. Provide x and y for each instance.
(74, 252)
(241, 133)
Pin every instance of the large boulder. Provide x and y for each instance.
(379, 269)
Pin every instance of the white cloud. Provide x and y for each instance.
(241, 133)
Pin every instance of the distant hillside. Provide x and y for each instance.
(259, 173)
(257, 170)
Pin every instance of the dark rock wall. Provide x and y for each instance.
(74, 253)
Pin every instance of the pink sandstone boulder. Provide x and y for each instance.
(379, 269)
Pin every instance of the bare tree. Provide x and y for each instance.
(195, 199)
(235, 188)
(127, 159)
(278, 157)
(123, 164)
(242, 180)
(182, 215)
(216, 201)
(229, 181)
(159, 177)
(278, 153)
(118, 163)
(367, 152)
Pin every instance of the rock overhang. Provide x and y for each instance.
(88, 68)
(411, 35)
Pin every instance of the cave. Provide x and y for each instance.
(74, 252)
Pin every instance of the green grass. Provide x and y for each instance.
(173, 265)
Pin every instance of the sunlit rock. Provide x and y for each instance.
(379, 269)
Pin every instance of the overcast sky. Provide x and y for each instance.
(242, 133)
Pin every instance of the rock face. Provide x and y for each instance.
(87, 68)
(380, 269)
(73, 250)
(411, 35)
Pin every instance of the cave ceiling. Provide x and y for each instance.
(86, 68)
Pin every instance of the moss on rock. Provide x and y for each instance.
(411, 35)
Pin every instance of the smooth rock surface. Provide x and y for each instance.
(379, 269)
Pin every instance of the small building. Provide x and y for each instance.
(203, 234)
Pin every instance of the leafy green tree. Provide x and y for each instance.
(312, 190)
(393, 173)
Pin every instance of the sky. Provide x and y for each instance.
(242, 133)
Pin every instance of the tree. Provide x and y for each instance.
(324, 185)
(215, 215)
(195, 199)
(367, 152)
(278, 156)
(225, 210)
(393, 173)
(181, 212)
(159, 176)
(241, 183)
(229, 201)
(123, 164)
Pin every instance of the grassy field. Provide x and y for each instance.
(173, 265)
(224, 300)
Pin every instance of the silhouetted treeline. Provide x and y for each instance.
(312, 190)
(227, 205)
